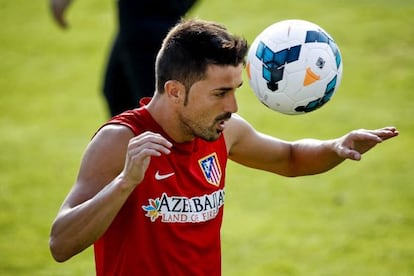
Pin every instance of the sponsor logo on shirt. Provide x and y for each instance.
(178, 209)
(211, 169)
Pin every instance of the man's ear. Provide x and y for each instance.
(175, 91)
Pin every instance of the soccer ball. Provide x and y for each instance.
(294, 67)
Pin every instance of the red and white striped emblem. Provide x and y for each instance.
(211, 169)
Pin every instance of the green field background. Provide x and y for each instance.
(355, 220)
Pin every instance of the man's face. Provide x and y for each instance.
(211, 102)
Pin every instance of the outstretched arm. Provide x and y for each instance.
(312, 156)
(303, 157)
(58, 8)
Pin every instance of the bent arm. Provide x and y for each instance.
(77, 227)
(303, 157)
(96, 197)
(114, 163)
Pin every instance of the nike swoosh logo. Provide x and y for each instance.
(159, 176)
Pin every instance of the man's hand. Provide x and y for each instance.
(140, 150)
(357, 142)
(58, 8)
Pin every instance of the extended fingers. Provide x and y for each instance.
(365, 135)
(387, 132)
(377, 135)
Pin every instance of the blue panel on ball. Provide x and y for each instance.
(315, 104)
(266, 74)
(321, 37)
(293, 54)
(316, 36)
(330, 87)
(280, 58)
(273, 63)
(259, 50)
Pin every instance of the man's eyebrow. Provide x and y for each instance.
(228, 88)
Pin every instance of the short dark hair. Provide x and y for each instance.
(191, 46)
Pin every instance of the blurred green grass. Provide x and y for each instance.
(355, 220)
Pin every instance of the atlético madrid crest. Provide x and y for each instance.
(210, 167)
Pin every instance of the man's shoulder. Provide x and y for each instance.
(136, 120)
(237, 131)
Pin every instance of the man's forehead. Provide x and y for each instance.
(225, 73)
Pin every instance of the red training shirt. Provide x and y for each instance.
(170, 224)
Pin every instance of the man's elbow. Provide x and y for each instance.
(58, 253)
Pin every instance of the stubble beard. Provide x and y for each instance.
(210, 133)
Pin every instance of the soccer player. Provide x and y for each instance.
(150, 190)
